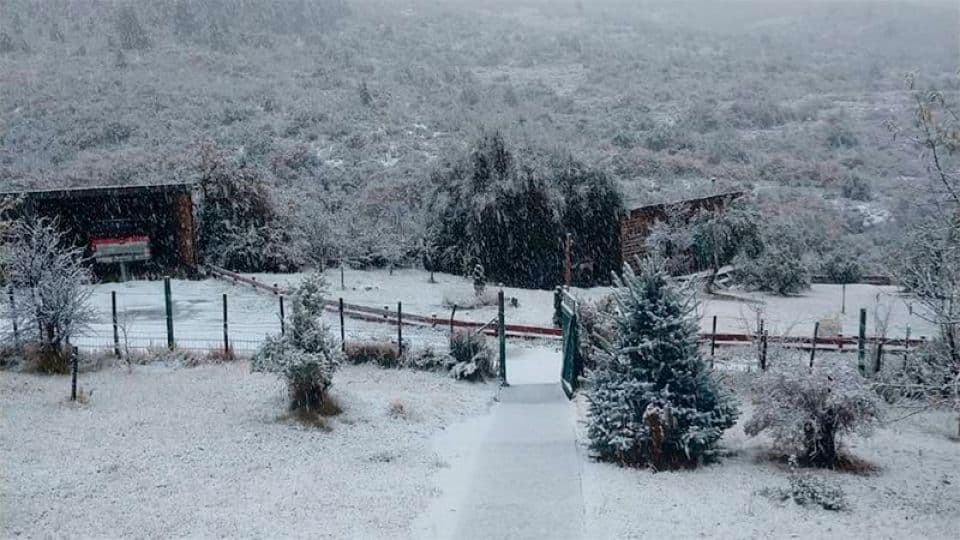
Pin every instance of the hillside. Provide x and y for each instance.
(349, 106)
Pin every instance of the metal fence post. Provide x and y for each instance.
(879, 361)
(116, 326)
(502, 337)
(226, 330)
(862, 342)
(283, 318)
(453, 313)
(343, 339)
(713, 340)
(400, 328)
(906, 347)
(75, 368)
(168, 305)
(813, 346)
(557, 300)
(763, 351)
(13, 319)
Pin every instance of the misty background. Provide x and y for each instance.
(346, 108)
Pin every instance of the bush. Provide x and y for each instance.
(808, 490)
(49, 281)
(760, 113)
(308, 375)
(44, 358)
(855, 187)
(381, 353)
(426, 359)
(306, 356)
(652, 399)
(241, 227)
(777, 270)
(842, 265)
(472, 359)
(808, 410)
(838, 134)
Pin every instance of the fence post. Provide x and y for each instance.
(502, 337)
(74, 368)
(399, 328)
(878, 363)
(13, 318)
(763, 351)
(906, 348)
(226, 331)
(557, 300)
(168, 305)
(713, 340)
(813, 346)
(343, 339)
(283, 318)
(116, 329)
(759, 336)
(453, 314)
(843, 298)
(862, 342)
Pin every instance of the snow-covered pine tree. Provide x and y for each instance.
(652, 399)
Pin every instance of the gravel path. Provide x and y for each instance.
(202, 452)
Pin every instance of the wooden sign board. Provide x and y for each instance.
(121, 250)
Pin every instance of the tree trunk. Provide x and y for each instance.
(821, 445)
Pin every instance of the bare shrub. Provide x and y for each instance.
(426, 359)
(381, 353)
(43, 359)
(397, 409)
(49, 282)
(472, 359)
(808, 410)
(808, 490)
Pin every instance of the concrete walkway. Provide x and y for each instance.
(525, 481)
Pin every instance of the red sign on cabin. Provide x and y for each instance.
(117, 250)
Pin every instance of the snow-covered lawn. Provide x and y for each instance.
(198, 317)
(915, 494)
(380, 288)
(198, 310)
(202, 452)
(792, 315)
(796, 315)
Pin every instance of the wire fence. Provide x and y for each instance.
(199, 317)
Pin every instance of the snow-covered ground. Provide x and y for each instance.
(915, 494)
(792, 315)
(202, 452)
(198, 317)
(796, 315)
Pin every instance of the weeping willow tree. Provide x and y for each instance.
(488, 208)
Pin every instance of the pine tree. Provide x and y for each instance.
(652, 399)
